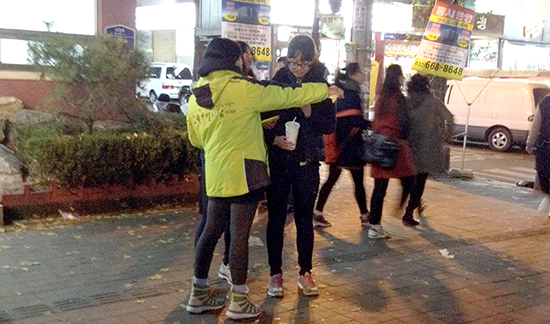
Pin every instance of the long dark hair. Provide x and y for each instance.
(390, 86)
(349, 70)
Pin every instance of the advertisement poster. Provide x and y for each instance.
(444, 48)
(249, 21)
(332, 26)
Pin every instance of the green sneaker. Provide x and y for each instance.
(240, 307)
(201, 300)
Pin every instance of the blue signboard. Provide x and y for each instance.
(123, 32)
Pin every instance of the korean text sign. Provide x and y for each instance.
(445, 46)
(249, 21)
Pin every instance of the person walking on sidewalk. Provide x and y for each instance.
(297, 166)
(350, 123)
(391, 119)
(430, 125)
(224, 121)
(538, 143)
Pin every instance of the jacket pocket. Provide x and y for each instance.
(256, 174)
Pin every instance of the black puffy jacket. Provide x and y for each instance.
(310, 145)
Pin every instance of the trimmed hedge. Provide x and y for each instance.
(107, 157)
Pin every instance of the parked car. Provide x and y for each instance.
(502, 110)
(184, 94)
(166, 78)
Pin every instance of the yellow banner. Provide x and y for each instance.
(261, 2)
(439, 69)
(374, 68)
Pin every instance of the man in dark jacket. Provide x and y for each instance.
(296, 165)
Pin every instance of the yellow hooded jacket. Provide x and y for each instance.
(224, 120)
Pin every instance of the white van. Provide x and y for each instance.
(502, 109)
(165, 78)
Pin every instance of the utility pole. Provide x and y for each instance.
(315, 28)
(362, 36)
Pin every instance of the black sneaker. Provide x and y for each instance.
(320, 221)
(410, 221)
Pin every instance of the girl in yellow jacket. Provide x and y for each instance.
(224, 120)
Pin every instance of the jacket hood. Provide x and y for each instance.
(209, 89)
(212, 64)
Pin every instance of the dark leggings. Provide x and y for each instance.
(333, 175)
(379, 193)
(543, 166)
(416, 193)
(203, 207)
(239, 212)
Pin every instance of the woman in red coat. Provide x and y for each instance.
(391, 119)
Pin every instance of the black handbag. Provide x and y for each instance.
(380, 150)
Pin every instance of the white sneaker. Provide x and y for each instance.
(377, 232)
(544, 206)
(225, 272)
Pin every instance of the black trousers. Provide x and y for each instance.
(416, 193)
(379, 193)
(239, 213)
(333, 176)
(304, 181)
(542, 155)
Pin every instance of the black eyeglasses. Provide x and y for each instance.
(303, 65)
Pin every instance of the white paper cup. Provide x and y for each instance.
(292, 128)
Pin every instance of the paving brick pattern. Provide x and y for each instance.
(136, 268)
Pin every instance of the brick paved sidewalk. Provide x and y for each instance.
(136, 268)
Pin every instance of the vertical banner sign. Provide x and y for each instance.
(249, 21)
(360, 15)
(445, 45)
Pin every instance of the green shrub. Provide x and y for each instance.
(107, 157)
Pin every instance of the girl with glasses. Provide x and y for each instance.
(296, 166)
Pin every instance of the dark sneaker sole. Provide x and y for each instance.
(318, 224)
